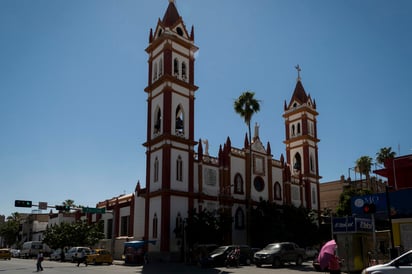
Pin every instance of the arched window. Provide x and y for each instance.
(179, 226)
(158, 121)
(179, 169)
(238, 183)
(155, 71)
(297, 163)
(298, 129)
(176, 67)
(179, 120)
(160, 67)
(293, 130)
(156, 170)
(277, 191)
(184, 75)
(154, 222)
(311, 163)
(239, 218)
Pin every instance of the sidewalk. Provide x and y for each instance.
(168, 267)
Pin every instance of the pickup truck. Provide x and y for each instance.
(277, 254)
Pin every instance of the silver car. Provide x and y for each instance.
(402, 264)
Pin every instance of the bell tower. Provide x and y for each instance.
(302, 148)
(170, 129)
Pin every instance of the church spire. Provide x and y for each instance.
(171, 15)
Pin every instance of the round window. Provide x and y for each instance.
(259, 184)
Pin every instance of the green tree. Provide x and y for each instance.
(273, 223)
(384, 154)
(364, 166)
(206, 227)
(344, 206)
(246, 106)
(73, 234)
(9, 230)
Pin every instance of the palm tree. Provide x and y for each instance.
(384, 154)
(364, 165)
(246, 105)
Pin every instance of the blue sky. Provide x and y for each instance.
(72, 75)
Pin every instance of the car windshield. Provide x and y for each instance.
(220, 249)
(272, 247)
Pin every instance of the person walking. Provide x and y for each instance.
(39, 261)
(81, 258)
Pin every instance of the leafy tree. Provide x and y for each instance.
(207, 227)
(384, 154)
(73, 234)
(272, 223)
(344, 206)
(9, 230)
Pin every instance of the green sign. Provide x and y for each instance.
(93, 210)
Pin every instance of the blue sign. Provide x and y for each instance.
(346, 224)
(351, 225)
(399, 204)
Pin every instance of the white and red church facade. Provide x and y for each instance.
(180, 173)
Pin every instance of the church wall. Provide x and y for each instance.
(238, 235)
(155, 185)
(210, 180)
(139, 211)
(238, 166)
(179, 206)
(175, 184)
(154, 208)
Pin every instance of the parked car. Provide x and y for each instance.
(218, 256)
(32, 248)
(277, 254)
(56, 255)
(401, 264)
(311, 253)
(75, 252)
(5, 254)
(15, 253)
(99, 256)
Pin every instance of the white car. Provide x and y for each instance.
(402, 264)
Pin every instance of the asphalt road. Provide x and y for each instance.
(19, 266)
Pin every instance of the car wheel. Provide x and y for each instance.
(248, 261)
(299, 260)
(276, 262)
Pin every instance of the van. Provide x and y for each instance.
(5, 254)
(32, 249)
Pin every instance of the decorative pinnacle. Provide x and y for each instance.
(297, 67)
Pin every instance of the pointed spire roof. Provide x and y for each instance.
(171, 15)
(299, 94)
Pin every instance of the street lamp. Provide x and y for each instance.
(392, 250)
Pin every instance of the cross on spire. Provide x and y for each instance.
(297, 67)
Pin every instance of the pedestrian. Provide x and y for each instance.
(39, 261)
(81, 258)
(334, 264)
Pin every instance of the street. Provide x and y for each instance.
(18, 266)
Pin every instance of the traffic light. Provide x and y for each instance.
(21, 203)
(62, 207)
(369, 208)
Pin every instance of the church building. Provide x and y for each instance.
(180, 173)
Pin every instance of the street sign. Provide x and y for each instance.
(93, 210)
(43, 205)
